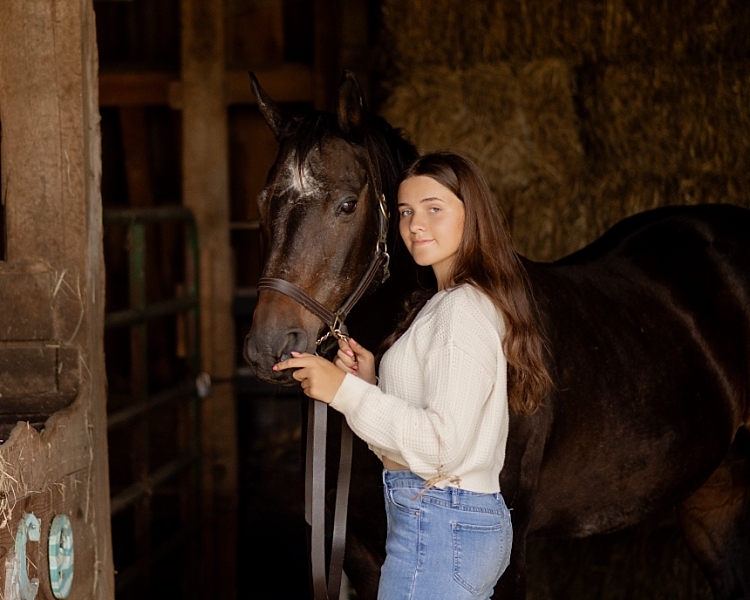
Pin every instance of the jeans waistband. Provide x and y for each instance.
(405, 478)
(402, 478)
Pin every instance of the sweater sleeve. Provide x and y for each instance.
(433, 438)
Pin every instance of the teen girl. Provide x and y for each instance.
(438, 418)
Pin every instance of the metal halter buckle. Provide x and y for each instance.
(337, 330)
(382, 246)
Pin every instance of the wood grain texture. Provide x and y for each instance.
(53, 279)
(205, 168)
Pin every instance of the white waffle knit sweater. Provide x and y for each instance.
(442, 405)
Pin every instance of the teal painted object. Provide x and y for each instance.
(61, 556)
(28, 531)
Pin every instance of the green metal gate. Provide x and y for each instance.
(153, 422)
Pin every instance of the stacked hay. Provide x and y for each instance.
(666, 134)
(461, 33)
(518, 123)
(580, 112)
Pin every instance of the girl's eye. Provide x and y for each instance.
(405, 212)
(434, 209)
(348, 207)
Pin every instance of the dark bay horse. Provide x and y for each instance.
(649, 336)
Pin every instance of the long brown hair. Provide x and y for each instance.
(486, 260)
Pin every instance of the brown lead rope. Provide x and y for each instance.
(317, 427)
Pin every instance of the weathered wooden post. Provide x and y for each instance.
(52, 378)
(205, 189)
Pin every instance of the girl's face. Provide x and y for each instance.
(431, 223)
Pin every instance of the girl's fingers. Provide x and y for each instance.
(344, 367)
(300, 375)
(297, 360)
(347, 350)
(358, 348)
(348, 360)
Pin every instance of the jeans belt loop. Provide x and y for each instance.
(455, 496)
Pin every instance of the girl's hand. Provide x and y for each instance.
(320, 379)
(353, 358)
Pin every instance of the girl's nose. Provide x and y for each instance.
(416, 224)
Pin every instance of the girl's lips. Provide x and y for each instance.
(421, 242)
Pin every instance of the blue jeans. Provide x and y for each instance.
(447, 544)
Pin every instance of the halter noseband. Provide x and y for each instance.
(335, 320)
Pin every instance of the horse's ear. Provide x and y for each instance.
(350, 105)
(271, 112)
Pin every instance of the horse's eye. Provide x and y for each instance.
(348, 207)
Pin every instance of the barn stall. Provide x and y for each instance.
(580, 113)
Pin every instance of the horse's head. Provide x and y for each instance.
(319, 219)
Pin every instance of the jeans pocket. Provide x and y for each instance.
(480, 555)
(404, 499)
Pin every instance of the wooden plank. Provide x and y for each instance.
(30, 319)
(135, 88)
(51, 176)
(205, 169)
(254, 32)
(286, 83)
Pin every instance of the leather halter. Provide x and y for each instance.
(335, 319)
(315, 461)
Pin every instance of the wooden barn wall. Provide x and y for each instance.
(582, 112)
(54, 461)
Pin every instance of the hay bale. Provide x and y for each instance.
(668, 119)
(517, 122)
(616, 194)
(657, 135)
(550, 222)
(463, 33)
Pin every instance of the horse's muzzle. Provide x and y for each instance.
(263, 351)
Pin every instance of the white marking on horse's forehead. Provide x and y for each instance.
(299, 181)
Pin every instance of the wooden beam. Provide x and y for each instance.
(51, 174)
(205, 172)
(135, 88)
(285, 83)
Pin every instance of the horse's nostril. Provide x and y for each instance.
(296, 341)
(250, 349)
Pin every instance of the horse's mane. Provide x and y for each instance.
(389, 151)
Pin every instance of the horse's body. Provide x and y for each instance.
(649, 337)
